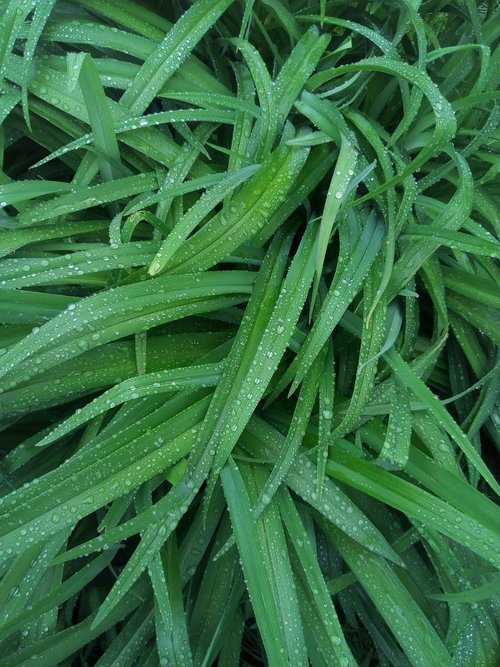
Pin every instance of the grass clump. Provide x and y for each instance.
(249, 329)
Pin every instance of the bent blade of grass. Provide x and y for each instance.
(92, 33)
(131, 223)
(324, 115)
(251, 208)
(207, 202)
(445, 123)
(172, 52)
(374, 36)
(173, 380)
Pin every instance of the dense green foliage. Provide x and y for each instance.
(249, 333)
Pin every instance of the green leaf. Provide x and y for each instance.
(394, 602)
(433, 404)
(204, 206)
(266, 569)
(171, 52)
